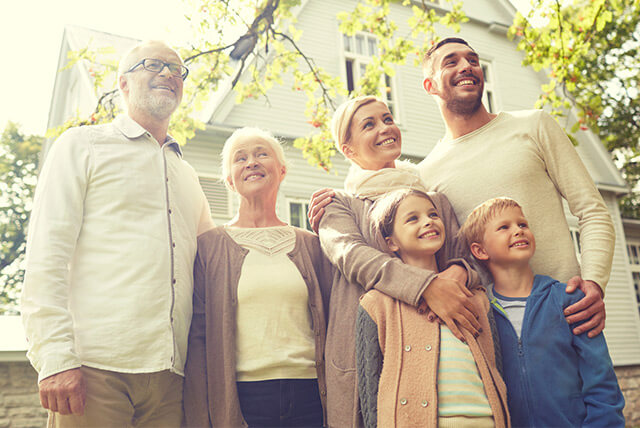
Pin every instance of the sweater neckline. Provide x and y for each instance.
(499, 117)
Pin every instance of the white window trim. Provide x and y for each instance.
(365, 59)
(218, 178)
(575, 233)
(489, 86)
(634, 267)
(301, 201)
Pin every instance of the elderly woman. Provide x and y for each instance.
(365, 132)
(256, 345)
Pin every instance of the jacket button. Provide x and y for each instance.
(428, 347)
(407, 348)
(403, 401)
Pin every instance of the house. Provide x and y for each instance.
(509, 86)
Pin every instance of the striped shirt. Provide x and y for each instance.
(460, 389)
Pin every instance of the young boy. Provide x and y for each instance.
(554, 378)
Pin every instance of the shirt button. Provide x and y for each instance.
(173, 244)
(428, 347)
(173, 281)
(323, 392)
(169, 210)
(403, 401)
(407, 348)
(425, 403)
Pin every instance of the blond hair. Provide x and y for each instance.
(474, 227)
(341, 121)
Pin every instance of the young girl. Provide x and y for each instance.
(429, 378)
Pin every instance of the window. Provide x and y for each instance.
(298, 214)
(488, 97)
(633, 251)
(575, 237)
(218, 196)
(358, 51)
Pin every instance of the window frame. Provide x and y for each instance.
(634, 266)
(489, 98)
(304, 204)
(360, 60)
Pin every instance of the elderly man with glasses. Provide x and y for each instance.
(108, 285)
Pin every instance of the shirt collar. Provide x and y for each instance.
(132, 129)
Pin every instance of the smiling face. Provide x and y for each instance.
(507, 239)
(375, 141)
(145, 92)
(255, 169)
(456, 78)
(418, 231)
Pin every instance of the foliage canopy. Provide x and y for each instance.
(587, 48)
(18, 173)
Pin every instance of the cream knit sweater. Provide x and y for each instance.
(527, 156)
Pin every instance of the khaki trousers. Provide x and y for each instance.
(127, 400)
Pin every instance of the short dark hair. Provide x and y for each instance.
(383, 212)
(427, 57)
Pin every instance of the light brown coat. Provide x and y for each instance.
(210, 392)
(407, 392)
(351, 243)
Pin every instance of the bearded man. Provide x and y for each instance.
(524, 155)
(107, 295)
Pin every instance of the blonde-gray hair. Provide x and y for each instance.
(247, 133)
(131, 56)
(342, 117)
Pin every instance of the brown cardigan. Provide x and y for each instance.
(407, 389)
(210, 392)
(363, 261)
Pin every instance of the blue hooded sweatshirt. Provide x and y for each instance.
(555, 378)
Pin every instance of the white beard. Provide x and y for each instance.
(157, 105)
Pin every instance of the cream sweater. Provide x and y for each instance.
(527, 156)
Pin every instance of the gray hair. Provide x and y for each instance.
(131, 56)
(249, 133)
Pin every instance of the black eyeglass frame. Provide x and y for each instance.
(182, 68)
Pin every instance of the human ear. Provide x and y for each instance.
(428, 86)
(348, 151)
(123, 84)
(478, 251)
(230, 183)
(391, 244)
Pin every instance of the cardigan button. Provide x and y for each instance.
(407, 348)
(425, 403)
(403, 401)
(428, 347)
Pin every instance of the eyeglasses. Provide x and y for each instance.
(156, 66)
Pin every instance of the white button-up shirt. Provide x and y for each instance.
(110, 250)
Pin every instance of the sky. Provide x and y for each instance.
(31, 34)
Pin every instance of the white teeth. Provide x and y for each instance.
(520, 244)
(387, 142)
(465, 82)
(430, 234)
